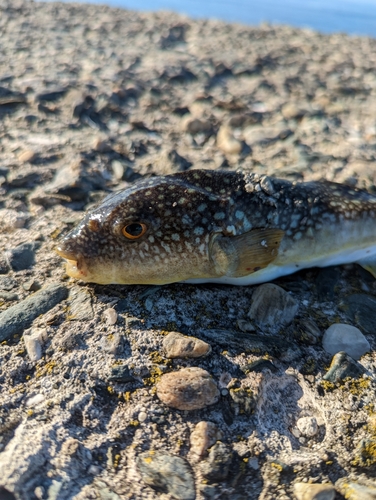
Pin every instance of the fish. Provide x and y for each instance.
(231, 227)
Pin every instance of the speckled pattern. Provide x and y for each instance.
(183, 211)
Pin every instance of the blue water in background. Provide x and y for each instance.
(349, 16)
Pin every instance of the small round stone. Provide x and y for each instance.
(347, 338)
(307, 426)
(177, 345)
(305, 491)
(187, 389)
(142, 416)
(203, 436)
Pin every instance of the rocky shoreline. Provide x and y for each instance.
(178, 392)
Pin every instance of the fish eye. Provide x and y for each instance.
(134, 231)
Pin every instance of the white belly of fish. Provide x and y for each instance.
(366, 257)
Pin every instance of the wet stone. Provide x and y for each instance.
(305, 491)
(361, 308)
(203, 436)
(168, 474)
(271, 305)
(22, 256)
(187, 389)
(177, 345)
(343, 366)
(341, 337)
(217, 466)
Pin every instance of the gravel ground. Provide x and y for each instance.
(93, 98)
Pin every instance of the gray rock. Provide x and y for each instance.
(22, 256)
(361, 308)
(271, 305)
(167, 474)
(18, 317)
(343, 366)
(217, 466)
(340, 337)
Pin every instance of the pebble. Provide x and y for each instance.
(27, 156)
(343, 366)
(227, 142)
(217, 466)
(142, 416)
(353, 490)
(203, 436)
(34, 341)
(361, 308)
(22, 256)
(340, 337)
(177, 345)
(187, 389)
(110, 316)
(35, 400)
(307, 426)
(306, 491)
(272, 305)
(18, 317)
(168, 473)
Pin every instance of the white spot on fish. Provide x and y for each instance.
(151, 239)
(175, 237)
(239, 214)
(198, 230)
(202, 207)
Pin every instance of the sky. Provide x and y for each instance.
(350, 16)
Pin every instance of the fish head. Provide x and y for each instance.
(155, 232)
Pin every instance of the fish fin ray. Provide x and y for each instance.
(246, 253)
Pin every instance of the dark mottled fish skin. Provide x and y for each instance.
(183, 211)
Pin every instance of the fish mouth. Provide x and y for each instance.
(74, 263)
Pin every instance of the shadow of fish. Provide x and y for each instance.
(221, 227)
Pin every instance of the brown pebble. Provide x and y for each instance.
(195, 125)
(187, 389)
(177, 345)
(203, 436)
(27, 156)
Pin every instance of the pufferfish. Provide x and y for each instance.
(221, 227)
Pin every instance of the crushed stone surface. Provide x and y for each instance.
(93, 98)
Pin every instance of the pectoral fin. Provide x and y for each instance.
(246, 253)
(369, 265)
